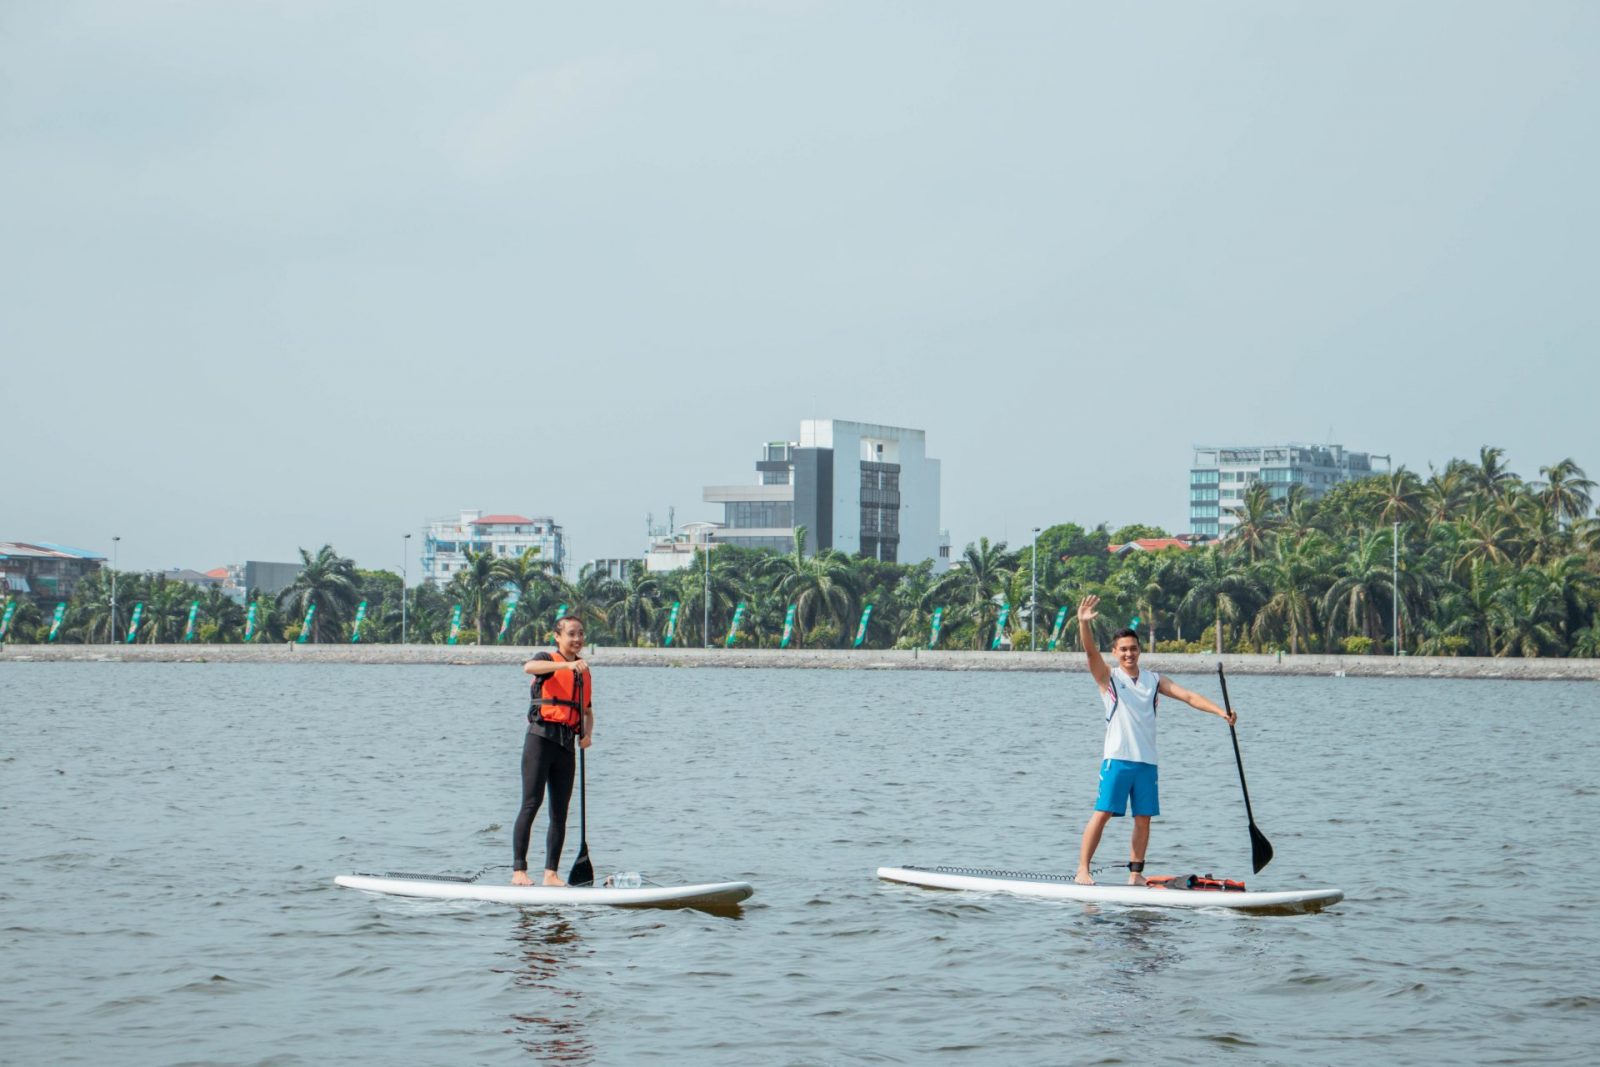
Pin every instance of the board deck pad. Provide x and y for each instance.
(1049, 886)
(446, 887)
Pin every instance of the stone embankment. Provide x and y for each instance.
(821, 659)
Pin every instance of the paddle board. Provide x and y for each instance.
(709, 895)
(1062, 887)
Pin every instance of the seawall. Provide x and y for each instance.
(817, 659)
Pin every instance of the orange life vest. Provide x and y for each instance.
(562, 695)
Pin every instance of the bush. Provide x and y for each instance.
(1356, 645)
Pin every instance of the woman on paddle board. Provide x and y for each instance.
(1128, 771)
(560, 718)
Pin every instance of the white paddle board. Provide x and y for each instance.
(1062, 887)
(709, 895)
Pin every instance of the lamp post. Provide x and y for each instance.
(705, 626)
(1394, 576)
(114, 542)
(405, 563)
(1033, 596)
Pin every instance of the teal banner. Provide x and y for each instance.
(561, 612)
(133, 623)
(361, 616)
(672, 624)
(1000, 627)
(505, 620)
(733, 627)
(5, 621)
(1055, 631)
(305, 624)
(861, 628)
(188, 627)
(938, 623)
(250, 624)
(55, 624)
(455, 625)
(788, 627)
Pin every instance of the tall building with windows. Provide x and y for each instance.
(445, 542)
(856, 487)
(1219, 477)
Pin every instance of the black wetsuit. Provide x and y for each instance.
(548, 762)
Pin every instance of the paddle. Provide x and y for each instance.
(1260, 847)
(582, 869)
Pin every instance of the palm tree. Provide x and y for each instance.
(1217, 587)
(480, 588)
(1363, 587)
(820, 585)
(1490, 477)
(1257, 517)
(634, 606)
(220, 609)
(327, 580)
(1290, 575)
(976, 581)
(1566, 491)
(1402, 497)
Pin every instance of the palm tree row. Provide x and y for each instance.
(1488, 564)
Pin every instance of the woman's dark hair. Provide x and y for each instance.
(1126, 632)
(573, 619)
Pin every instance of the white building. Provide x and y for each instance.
(1219, 477)
(859, 488)
(445, 542)
(676, 550)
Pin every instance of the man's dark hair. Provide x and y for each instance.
(1126, 632)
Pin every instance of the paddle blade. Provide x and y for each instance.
(1260, 849)
(583, 870)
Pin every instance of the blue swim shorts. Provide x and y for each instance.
(1123, 779)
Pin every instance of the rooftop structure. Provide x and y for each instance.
(43, 569)
(445, 542)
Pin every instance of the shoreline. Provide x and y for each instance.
(818, 659)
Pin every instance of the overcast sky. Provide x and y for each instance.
(280, 274)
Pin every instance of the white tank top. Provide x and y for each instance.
(1131, 716)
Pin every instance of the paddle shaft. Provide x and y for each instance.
(1237, 758)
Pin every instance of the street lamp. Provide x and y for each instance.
(1033, 596)
(114, 541)
(405, 562)
(1394, 576)
(705, 626)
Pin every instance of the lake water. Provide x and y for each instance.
(171, 832)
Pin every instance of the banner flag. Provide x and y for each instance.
(561, 612)
(1000, 626)
(1055, 631)
(188, 628)
(133, 623)
(938, 622)
(355, 631)
(250, 623)
(305, 624)
(672, 624)
(861, 630)
(505, 621)
(733, 627)
(788, 626)
(55, 624)
(455, 625)
(5, 621)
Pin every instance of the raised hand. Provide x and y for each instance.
(1086, 608)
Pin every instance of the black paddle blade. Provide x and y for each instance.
(1260, 849)
(583, 870)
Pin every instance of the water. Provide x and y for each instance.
(170, 834)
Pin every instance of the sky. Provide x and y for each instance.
(274, 275)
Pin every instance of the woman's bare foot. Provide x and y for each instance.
(1136, 878)
(1083, 877)
(552, 878)
(520, 878)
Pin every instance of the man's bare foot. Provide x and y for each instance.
(552, 878)
(520, 878)
(1083, 877)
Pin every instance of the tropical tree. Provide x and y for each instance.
(1216, 587)
(820, 585)
(327, 580)
(1566, 490)
(976, 581)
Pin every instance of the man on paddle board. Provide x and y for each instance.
(560, 718)
(1128, 771)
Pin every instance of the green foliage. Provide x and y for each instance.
(1356, 645)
